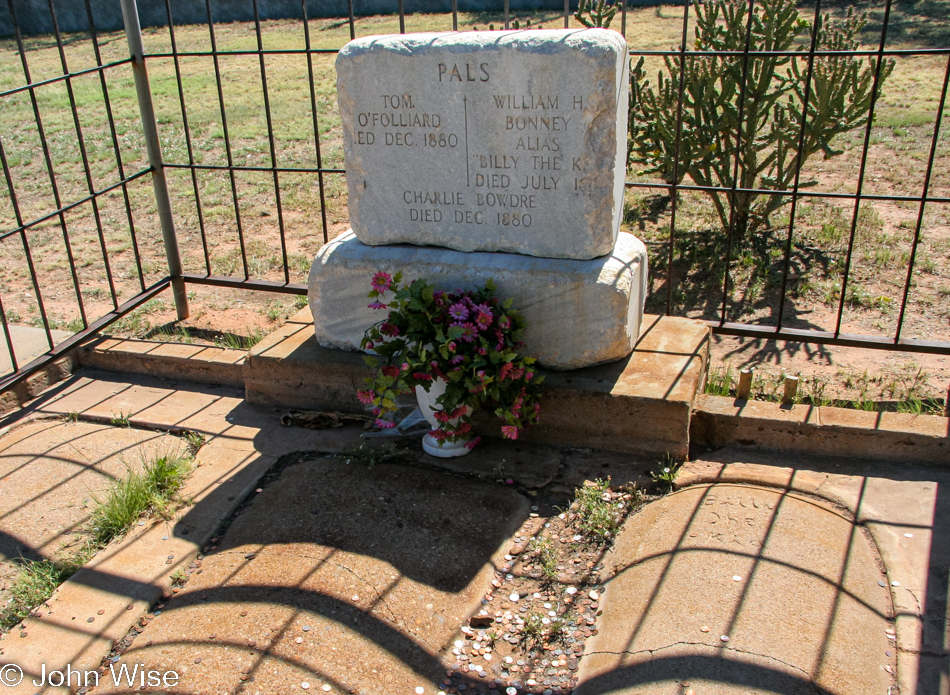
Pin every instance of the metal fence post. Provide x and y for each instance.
(133, 33)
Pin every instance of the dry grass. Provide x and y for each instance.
(900, 142)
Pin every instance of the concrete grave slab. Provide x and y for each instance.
(734, 589)
(578, 313)
(336, 576)
(487, 141)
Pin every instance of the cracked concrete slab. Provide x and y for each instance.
(740, 589)
(338, 576)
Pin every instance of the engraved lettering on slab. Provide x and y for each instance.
(734, 520)
(496, 141)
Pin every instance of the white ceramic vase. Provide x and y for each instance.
(428, 406)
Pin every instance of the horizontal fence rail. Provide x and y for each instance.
(249, 141)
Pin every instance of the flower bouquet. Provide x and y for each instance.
(467, 341)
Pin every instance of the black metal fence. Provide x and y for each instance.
(250, 187)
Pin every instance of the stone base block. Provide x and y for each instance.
(639, 405)
(579, 313)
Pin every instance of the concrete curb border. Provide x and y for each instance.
(715, 422)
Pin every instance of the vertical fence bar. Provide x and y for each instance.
(133, 33)
(402, 17)
(270, 141)
(120, 167)
(567, 13)
(507, 14)
(188, 144)
(862, 168)
(352, 20)
(799, 159)
(53, 185)
(26, 249)
(81, 142)
(316, 123)
(455, 15)
(227, 140)
(923, 202)
(623, 18)
(676, 157)
(735, 170)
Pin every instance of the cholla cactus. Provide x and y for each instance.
(596, 13)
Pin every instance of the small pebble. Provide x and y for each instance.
(593, 595)
(305, 685)
(198, 660)
(420, 690)
(326, 688)
(89, 620)
(908, 535)
(895, 583)
(299, 640)
(101, 611)
(572, 590)
(736, 578)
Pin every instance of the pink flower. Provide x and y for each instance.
(482, 351)
(389, 329)
(405, 366)
(503, 373)
(468, 332)
(390, 370)
(422, 376)
(376, 305)
(366, 397)
(509, 481)
(472, 443)
(484, 319)
(457, 360)
(452, 346)
(504, 323)
(384, 424)
(370, 344)
(510, 431)
(381, 281)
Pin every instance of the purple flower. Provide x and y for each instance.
(458, 311)
(468, 332)
(386, 424)
(376, 305)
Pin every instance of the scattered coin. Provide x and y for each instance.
(326, 688)
(306, 628)
(101, 611)
(724, 638)
(305, 685)
(299, 640)
(736, 578)
(594, 595)
(572, 590)
(895, 583)
(704, 628)
(514, 598)
(908, 535)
